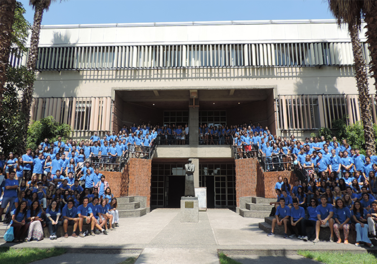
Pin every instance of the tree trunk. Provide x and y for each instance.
(31, 64)
(362, 86)
(371, 20)
(7, 8)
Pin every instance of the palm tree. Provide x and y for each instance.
(39, 6)
(369, 10)
(7, 8)
(349, 12)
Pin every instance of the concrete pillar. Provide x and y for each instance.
(196, 172)
(194, 126)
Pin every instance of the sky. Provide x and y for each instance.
(136, 11)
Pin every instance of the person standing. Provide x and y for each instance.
(10, 192)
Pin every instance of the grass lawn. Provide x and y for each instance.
(27, 255)
(337, 257)
(226, 260)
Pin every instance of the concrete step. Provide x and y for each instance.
(253, 214)
(258, 207)
(261, 200)
(324, 235)
(129, 206)
(132, 213)
(125, 200)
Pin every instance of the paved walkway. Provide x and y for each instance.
(159, 235)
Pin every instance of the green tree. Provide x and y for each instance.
(11, 116)
(39, 7)
(349, 13)
(46, 128)
(7, 11)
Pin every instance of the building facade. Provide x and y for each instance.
(292, 76)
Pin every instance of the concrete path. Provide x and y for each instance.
(159, 236)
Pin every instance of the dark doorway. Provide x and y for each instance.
(210, 192)
(176, 191)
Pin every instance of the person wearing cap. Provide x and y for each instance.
(102, 186)
(41, 192)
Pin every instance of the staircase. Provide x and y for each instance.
(132, 206)
(255, 207)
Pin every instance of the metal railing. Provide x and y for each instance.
(106, 163)
(277, 162)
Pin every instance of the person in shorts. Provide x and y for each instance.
(325, 212)
(70, 217)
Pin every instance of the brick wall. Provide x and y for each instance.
(252, 181)
(270, 179)
(139, 178)
(115, 181)
(246, 178)
(135, 180)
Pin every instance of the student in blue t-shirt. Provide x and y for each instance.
(69, 214)
(297, 220)
(342, 217)
(27, 163)
(85, 214)
(325, 213)
(311, 221)
(53, 214)
(19, 223)
(10, 192)
(359, 215)
(281, 218)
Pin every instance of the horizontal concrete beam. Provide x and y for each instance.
(193, 152)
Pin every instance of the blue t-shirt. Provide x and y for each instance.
(365, 204)
(358, 215)
(40, 194)
(27, 166)
(12, 192)
(88, 180)
(94, 209)
(71, 213)
(283, 212)
(79, 189)
(96, 177)
(278, 185)
(312, 213)
(38, 166)
(84, 211)
(342, 214)
(31, 213)
(56, 165)
(53, 214)
(297, 213)
(19, 217)
(324, 211)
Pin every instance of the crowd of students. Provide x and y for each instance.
(327, 201)
(56, 185)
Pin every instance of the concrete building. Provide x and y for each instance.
(292, 76)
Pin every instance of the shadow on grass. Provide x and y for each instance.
(27, 255)
(340, 257)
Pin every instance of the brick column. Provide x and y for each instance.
(139, 175)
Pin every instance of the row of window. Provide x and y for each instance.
(193, 56)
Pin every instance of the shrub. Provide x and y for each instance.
(46, 128)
